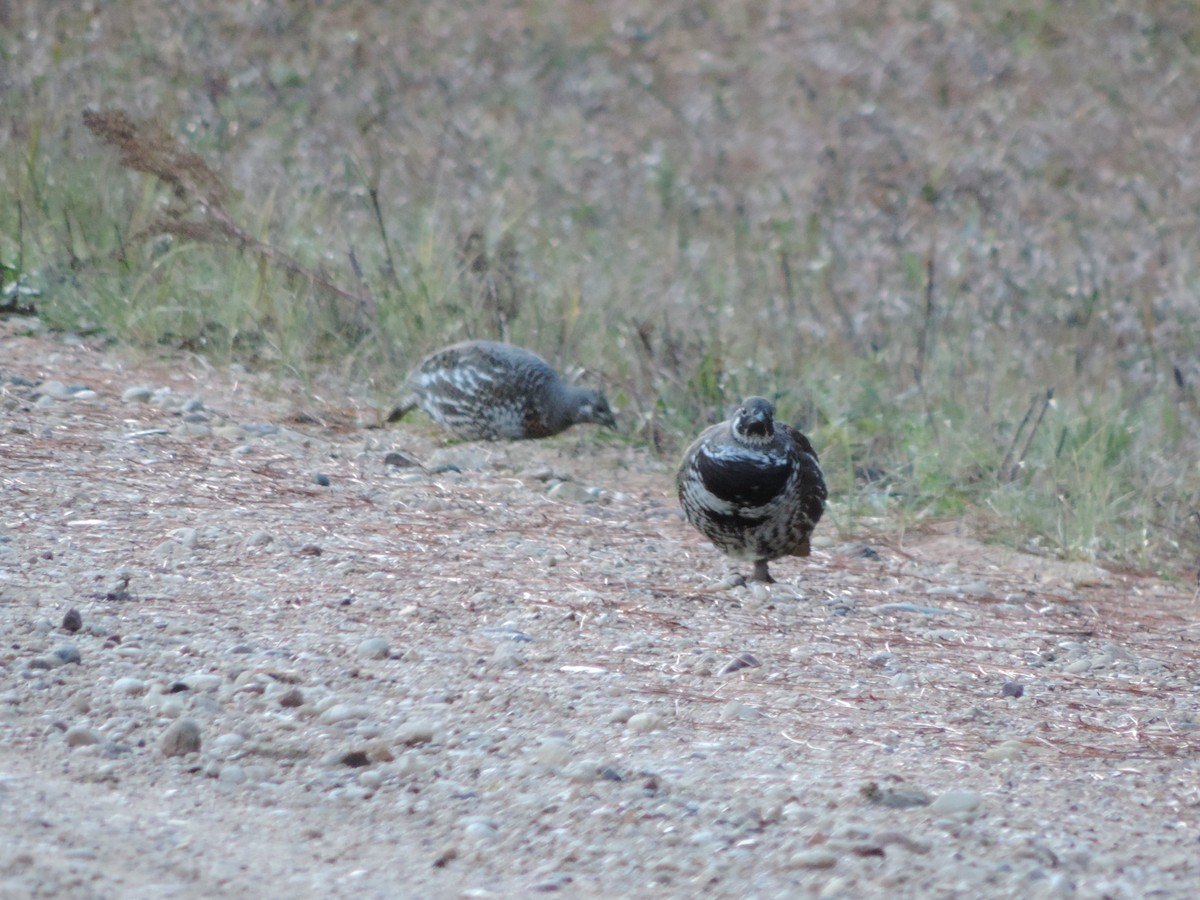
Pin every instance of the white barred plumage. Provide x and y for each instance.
(487, 390)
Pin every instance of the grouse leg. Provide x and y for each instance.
(761, 573)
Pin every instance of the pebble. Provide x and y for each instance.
(953, 802)
(1005, 750)
(81, 736)
(201, 681)
(480, 831)
(291, 698)
(901, 681)
(620, 715)
(131, 686)
(746, 660)
(813, 859)
(553, 751)
(231, 774)
(344, 712)
(1078, 667)
(416, 732)
(571, 492)
(72, 621)
(908, 608)
(374, 648)
(188, 537)
(734, 710)
(1012, 689)
(139, 393)
(644, 722)
(259, 539)
(67, 653)
(895, 798)
(228, 742)
(180, 738)
(55, 389)
(320, 478)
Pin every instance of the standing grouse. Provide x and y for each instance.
(753, 487)
(486, 390)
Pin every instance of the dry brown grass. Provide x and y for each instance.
(902, 220)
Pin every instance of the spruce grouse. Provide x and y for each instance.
(753, 486)
(486, 390)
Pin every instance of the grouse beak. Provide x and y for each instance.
(753, 423)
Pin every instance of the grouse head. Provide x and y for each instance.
(586, 406)
(754, 422)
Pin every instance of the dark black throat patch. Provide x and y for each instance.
(743, 480)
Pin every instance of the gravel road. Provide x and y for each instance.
(254, 647)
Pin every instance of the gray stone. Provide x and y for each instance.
(67, 653)
(416, 732)
(128, 685)
(344, 712)
(374, 648)
(955, 802)
(180, 738)
(137, 394)
(81, 736)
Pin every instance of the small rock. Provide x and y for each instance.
(320, 478)
(481, 832)
(259, 539)
(1012, 689)
(417, 732)
(374, 648)
(644, 722)
(1004, 751)
(68, 653)
(188, 537)
(620, 715)
(908, 608)
(734, 710)
(399, 460)
(901, 681)
(81, 736)
(131, 686)
(354, 758)
(813, 859)
(954, 802)
(230, 774)
(291, 698)
(571, 492)
(72, 621)
(344, 712)
(746, 660)
(137, 394)
(894, 798)
(371, 779)
(897, 838)
(553, 751)
(181, 738)
(1078, 667)
(201, 681)
(55, 389)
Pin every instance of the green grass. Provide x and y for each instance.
(692, 204)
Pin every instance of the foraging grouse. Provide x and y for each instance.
(753, 486)
(486, 390)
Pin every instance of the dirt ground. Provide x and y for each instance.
(300, 669)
